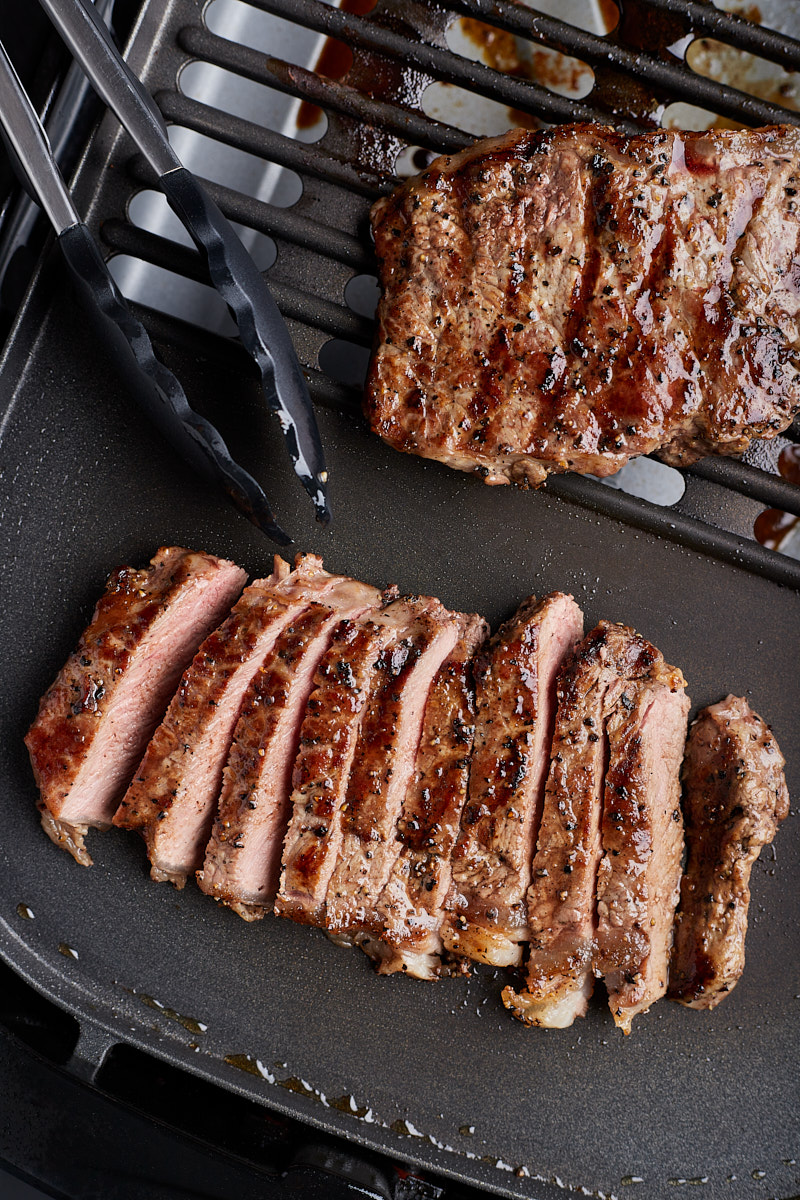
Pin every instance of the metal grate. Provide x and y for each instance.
(374, 114)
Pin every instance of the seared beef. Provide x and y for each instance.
(642, 829)
(561, 898)
(173, 794)
(568, 298)
(243, 857)
(384, 762)
(735, 797)
(410, 909)
(328, 740)
(515, 704)
(95, 720)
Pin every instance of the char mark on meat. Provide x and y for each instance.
(173, 796)
(243, 857)
(411, 907)
(515, 707)
(570, 298)
(639, 875)
(94, 722)
(384, 763)
(735, 797)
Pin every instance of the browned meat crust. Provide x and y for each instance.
(243, 856)
(514, 691)
(569, 298)
(94, 722)
(328, 741)
(642, 830)
(384, 763)
(410, 909)
(735, 797)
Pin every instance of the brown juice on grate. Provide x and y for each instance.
(334, 61)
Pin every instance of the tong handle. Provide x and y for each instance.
(29, 149)
(90, 43)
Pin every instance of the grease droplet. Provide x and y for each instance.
(25, 912)
(299, 1086)
(66, 950)
(189, 1023)
(467, 1130)
(347, 1104)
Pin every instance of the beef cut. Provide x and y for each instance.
(638, 879)
(735, 797)
(515, 706)
(384, 762)
(94, 722)
(173, 794)
(328, 741)
(561, 899)
(411, 906)
(569, 298)
(243, 858)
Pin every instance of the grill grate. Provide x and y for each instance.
(374, 113)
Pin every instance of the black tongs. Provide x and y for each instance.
(233, 272)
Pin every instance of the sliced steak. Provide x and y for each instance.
(173, 795)
(384, 762)
(735, 797)
(411, 907)
(568, 298)
(243, 858)
(642, 829)
(328, 740)
(561, 899)
(515, 708)
(95, 720)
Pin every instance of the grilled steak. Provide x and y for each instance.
(384, 762)
(642, 830)
(735, 797)
(569, 298)
(328, 740)
(175, 789)
(410, 909)
(243, 857)
(95, 720)
(515, 703)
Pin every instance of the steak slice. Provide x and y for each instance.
(328, 740)
(384, 762)
(172, 797)
(515, 707)
(94, 721)
(569, 298)
(735, 797)
(642, 829)
(561, 898)
(243, 858)
(410, 908)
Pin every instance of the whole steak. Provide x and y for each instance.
(570, 298)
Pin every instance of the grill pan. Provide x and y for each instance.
(437, 1075)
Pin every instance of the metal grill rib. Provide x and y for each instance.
(728, 27)
(674, 78)
(412, 126)
(323, 314)
(439, 63)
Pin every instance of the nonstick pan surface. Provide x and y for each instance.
(438, 1074)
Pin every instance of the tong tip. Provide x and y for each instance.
(319, 495)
